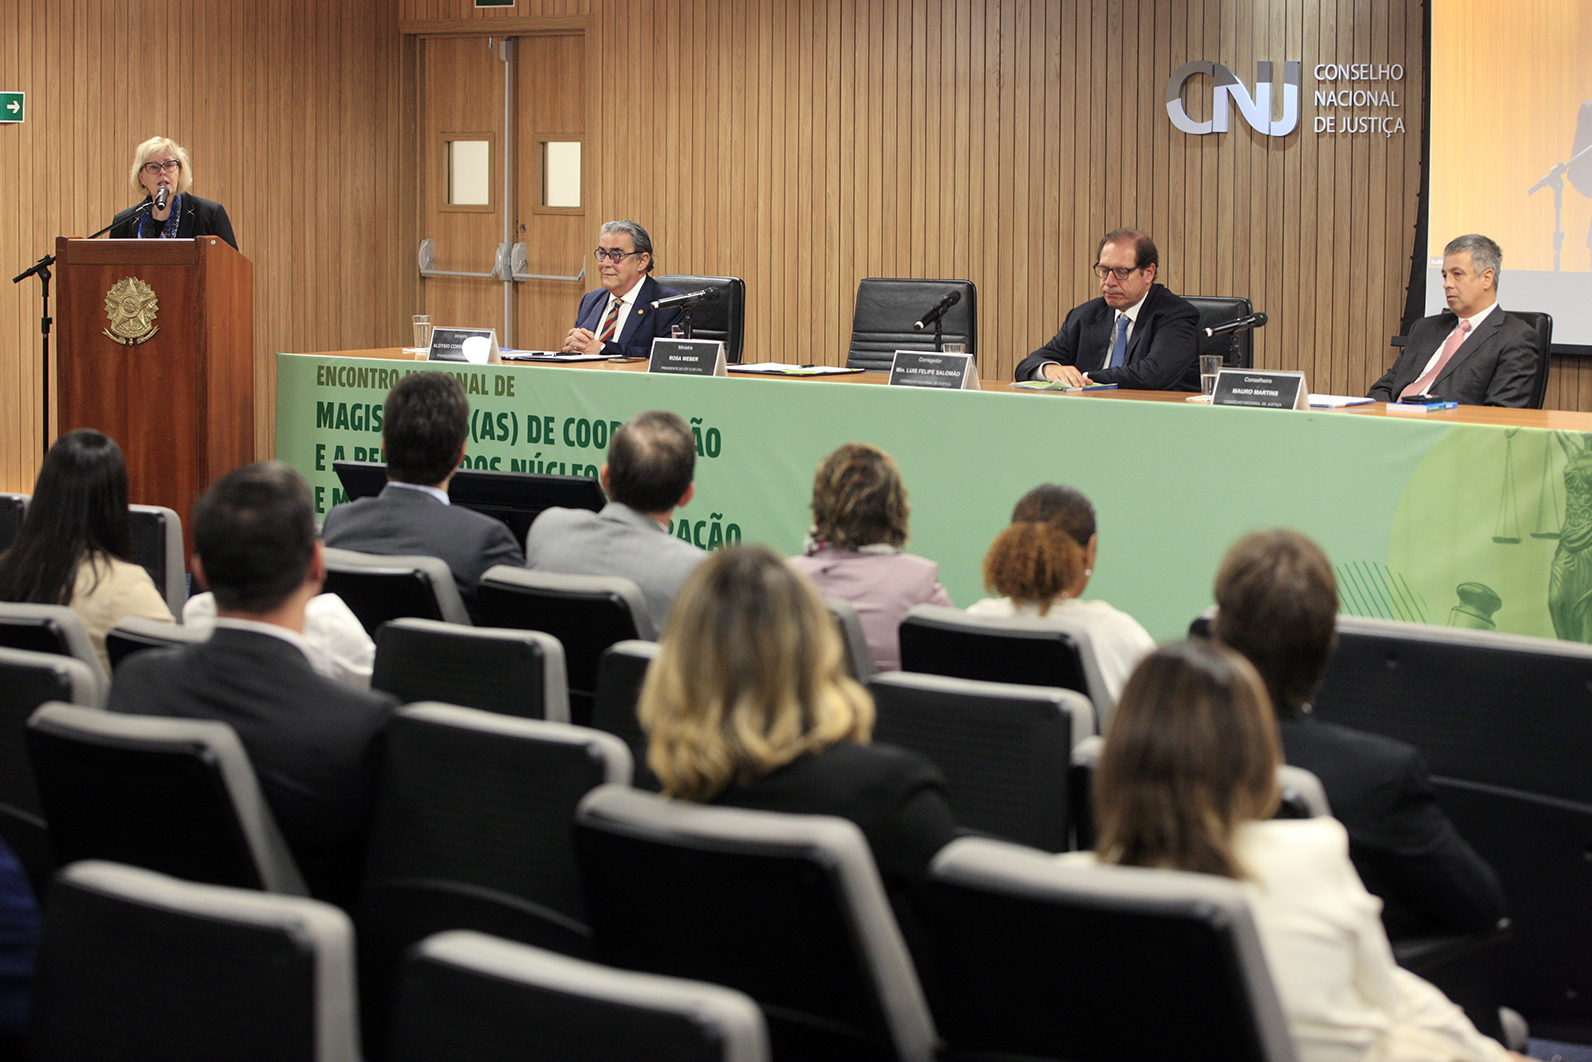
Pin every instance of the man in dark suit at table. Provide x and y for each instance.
(425, 423)
(618, 319)
(314, 742)
(1277, 604)
(1137, 334)
(1473, 352)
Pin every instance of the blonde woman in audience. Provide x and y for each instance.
(75, 544)
(1187, 781)
(748, 705)
(854, 549)
(1040, 570)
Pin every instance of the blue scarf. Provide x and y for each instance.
(168, 228)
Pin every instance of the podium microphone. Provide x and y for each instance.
(1242, 324)
(161, 197)
(690, 298)
(949, 299)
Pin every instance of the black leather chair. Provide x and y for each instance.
(723, 319)
(472, 831)
(156, 533)
(620, 672)
(516, 672)
(52, 629)
(587, 613)
(469, 996)
(1238, 349)
(1004, 749)
(28, 680)
(1504, 722)
(1032, 652)
(887, 309)
(137, 633)
(1542, 324)
(786, 908)
(859, 658)
(13, 507)
(178, 796)
(1043, 961)
(378, 588)
(135, 964)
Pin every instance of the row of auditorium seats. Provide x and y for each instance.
(1498, 727)
(156, 543)
(1040, 961)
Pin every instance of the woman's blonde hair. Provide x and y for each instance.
(858, 499)
(1033, 562)
(749, 676)
(1191, 754)
(160, 145)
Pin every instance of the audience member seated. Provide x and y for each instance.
(651, 460)
(1277, 604)
(1187, 780)
(425, 425)
(1042, 564)
(19, 942)
(314, 742)
(75, 544)
(334, 639)
(748, 705)
(854, 549)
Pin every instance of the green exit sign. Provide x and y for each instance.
(11, 106)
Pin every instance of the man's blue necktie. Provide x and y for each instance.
(1119, 348)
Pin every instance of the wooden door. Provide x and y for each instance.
(462, 81)
(551, 92)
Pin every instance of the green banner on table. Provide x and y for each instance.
(1415, 513)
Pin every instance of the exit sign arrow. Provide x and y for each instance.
(12, 106)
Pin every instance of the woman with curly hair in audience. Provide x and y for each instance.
(1039, 567)
(854, 549)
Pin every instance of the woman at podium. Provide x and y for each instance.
(162, 172)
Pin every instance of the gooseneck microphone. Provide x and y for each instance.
(1242, 324)
(162, 197)
(690, 298)
(949, 299)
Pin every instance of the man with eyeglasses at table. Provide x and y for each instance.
(618, 319)
(1137, 335)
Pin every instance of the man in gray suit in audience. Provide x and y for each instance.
(651, 460)
(425, 424)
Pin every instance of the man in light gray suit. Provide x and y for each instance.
(425, 423)
(651, 460)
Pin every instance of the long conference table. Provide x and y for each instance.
(1410, 507)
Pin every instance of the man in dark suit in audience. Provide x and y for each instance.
(1473, 352)
(313, 741)
(1137, 334)
(425, 424)
(1277, 603)
(651, 460)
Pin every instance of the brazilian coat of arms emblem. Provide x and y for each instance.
(130, 305)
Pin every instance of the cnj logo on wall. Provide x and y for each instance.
(1228, 92)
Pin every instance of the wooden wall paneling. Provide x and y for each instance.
(263, 93)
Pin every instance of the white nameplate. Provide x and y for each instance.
(1267, 390)
(926, 368)
(478, 346)
(688, 357)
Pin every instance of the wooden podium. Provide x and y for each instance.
(155, 348)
